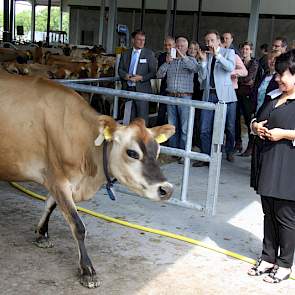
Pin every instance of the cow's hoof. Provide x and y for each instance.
(43, 242)
(89, 281)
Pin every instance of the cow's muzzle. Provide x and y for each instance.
(165, 191)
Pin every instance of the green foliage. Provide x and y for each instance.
(24, 19)
(41, 20)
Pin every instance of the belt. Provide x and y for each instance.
(179, 94)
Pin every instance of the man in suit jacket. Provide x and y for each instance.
(136, 68)
(215, 74)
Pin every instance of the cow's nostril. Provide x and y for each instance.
(162, 191)
(165, 192)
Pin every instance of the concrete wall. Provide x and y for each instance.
(284, 7)
(154, 22)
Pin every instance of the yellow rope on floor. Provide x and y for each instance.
(146, 229)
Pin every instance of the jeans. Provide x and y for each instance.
(178, 116)
(206, 127)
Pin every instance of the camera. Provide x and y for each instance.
(204, 47)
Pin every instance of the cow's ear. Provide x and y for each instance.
(106, 128)
(162, 133)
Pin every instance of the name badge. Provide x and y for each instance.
(142, 61)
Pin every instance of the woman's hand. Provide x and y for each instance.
(275, 134)
(259, 129)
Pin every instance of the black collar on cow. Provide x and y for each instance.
(110, 182)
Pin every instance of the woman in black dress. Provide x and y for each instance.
(273, 175)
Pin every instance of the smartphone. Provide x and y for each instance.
(173, 53)
(204, 47)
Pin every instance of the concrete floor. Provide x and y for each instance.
(132, 262)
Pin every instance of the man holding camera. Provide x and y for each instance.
(179, 70)
(217, 63)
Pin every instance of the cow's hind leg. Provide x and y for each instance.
(66, 204)
(42, 239)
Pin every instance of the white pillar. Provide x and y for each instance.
(253, 21)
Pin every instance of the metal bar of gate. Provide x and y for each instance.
(188, 147)
(142, 96)
(217, 137)
(216, 155)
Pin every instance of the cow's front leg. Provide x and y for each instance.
(66, 204)
(42, 239)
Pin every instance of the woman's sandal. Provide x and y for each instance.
(257, 271)
(272, 278)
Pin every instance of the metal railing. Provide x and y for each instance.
(217, 138)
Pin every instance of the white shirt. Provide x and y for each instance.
(136, 63)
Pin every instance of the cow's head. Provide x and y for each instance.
(133, 154)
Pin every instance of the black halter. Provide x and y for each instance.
(110, 182)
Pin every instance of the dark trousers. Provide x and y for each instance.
(206, 127)
(245, 108)
(279, 231)
(140, 109)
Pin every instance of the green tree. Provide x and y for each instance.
(41, 20)
(23, 19)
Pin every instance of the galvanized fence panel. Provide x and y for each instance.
(217, 138)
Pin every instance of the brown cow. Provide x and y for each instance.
(50, 135)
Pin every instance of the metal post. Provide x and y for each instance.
(174, 17)
(188, 148)
(111, 25)
(167, 21)
(48, 21)
(116, 98)
(78, 35)
(11, 22)
(101, 22)
(133, 20)
(60, 15)
(253, 22)
(6, 36)
(142, 14)
(33, 20)
(199, 19)
(195, 20)
(216, 155)
(272, 28)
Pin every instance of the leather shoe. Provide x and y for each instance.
(230, 157)
(200, 164)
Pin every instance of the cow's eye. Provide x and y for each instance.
(133, 154)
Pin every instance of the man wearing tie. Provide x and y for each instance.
(215, 74)
(136, 68)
